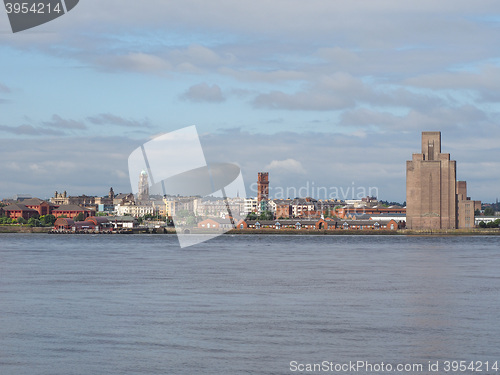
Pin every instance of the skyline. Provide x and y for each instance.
(325, 92)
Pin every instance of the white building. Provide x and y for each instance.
(251, 205)
(135, 210)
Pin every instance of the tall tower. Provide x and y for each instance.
(143, 192)
(262, 186)
(431, 201)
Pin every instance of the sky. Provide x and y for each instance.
(321, 94)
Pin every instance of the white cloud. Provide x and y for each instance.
(286, 166)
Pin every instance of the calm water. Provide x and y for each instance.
(138, 304)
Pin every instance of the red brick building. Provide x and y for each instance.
(43, 207)
(215, 223)
(63, 223)
(71, 211)
(17, 210)
(346, 212)
(262, 186)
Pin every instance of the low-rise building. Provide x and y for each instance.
(72, 210)
(123, 222)
(135, 210)
(17, 210)
(216, 223)
(43, 207)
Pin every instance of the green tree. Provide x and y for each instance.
(191, 220)
(482, 224)
(252, 216)
(5, 220)
(21, 220)
(477, 213)
(488, 211)
(493, 224)
(79, 217)
(33, 222)
(47, 220)
(266, 215)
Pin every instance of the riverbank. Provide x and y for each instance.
(371, 232)
(23, 229)
(298, 232)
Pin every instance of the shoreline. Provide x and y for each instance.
(299, 232)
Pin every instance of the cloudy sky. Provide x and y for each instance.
(319, 93)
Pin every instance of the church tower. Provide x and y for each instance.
(143, 192)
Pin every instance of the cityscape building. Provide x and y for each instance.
(434, 197)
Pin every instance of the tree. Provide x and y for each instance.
(493, 224)
(482, 224)
(47, 220)
(488, 211)
(191, 220)
(21, 220)
(477, 213)
(33, 222)
(266, 215)
(79, 217)
(5, 220)
(252, 216)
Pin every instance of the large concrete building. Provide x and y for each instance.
(466, 208)
(434, 197)
(431, 187)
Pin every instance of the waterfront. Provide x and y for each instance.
(243, 304)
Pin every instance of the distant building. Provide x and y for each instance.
(434, 198)
(106, 203)
(41, 206)
(282, 208)
(216, 223)
(60, 199)
(431, 187)
(174, 204)
(143, 192)
(466, 208)
(218, 207)
(17, 210)
(21, 197)
(123, 199)
(262, 190)
(72, 210)
(135, 210)
(251, 205)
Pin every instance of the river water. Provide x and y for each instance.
(138, 304)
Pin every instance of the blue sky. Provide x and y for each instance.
(334, 93)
